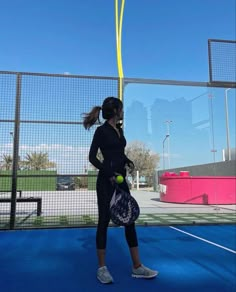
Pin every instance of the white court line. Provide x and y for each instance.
(200, 238)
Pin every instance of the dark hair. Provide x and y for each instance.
(92, 117)
(110, 107)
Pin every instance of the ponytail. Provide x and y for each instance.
(92, 117)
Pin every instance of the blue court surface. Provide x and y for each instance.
(189, 258)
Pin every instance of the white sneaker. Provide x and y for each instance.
(144, 272)
(104, 275)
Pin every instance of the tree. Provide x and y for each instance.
(6, 163)
(145, 161)
(37, 161)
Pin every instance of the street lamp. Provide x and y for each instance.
(168, 122)
(227, 123)
(163, 148)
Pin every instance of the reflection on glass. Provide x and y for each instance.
(197, 132)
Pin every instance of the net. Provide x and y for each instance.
(222, 61)
(55, 183)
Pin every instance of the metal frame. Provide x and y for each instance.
(178, 83)
(215, 83)
(17, 121)
(58, 75)
(15, 152)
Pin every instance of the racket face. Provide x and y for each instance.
(124, 209)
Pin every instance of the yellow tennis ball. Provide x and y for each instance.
(119, 179)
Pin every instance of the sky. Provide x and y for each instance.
(161, 39)
(166, 40)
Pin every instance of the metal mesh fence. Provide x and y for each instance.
(47, 181)
(222, 61)
(55, 184)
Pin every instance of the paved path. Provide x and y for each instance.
(84, 202)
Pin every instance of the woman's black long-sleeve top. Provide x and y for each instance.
(113, 150)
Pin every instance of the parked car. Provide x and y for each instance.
(65, 183)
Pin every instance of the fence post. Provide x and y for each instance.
(15, 152)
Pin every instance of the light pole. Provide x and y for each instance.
(163, 150)
(168, 122)
(227, 123)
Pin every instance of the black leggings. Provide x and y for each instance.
(104, 194)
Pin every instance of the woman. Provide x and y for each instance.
(110, 140)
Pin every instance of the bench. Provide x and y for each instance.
(20, 192)
(26, 200)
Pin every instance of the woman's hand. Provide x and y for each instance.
(130, 165)
(112, 180)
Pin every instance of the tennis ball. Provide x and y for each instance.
(119, 179)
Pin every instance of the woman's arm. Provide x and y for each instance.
(96, 144)
(94, 150)
(128, 162)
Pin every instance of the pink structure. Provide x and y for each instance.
(205, 190)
